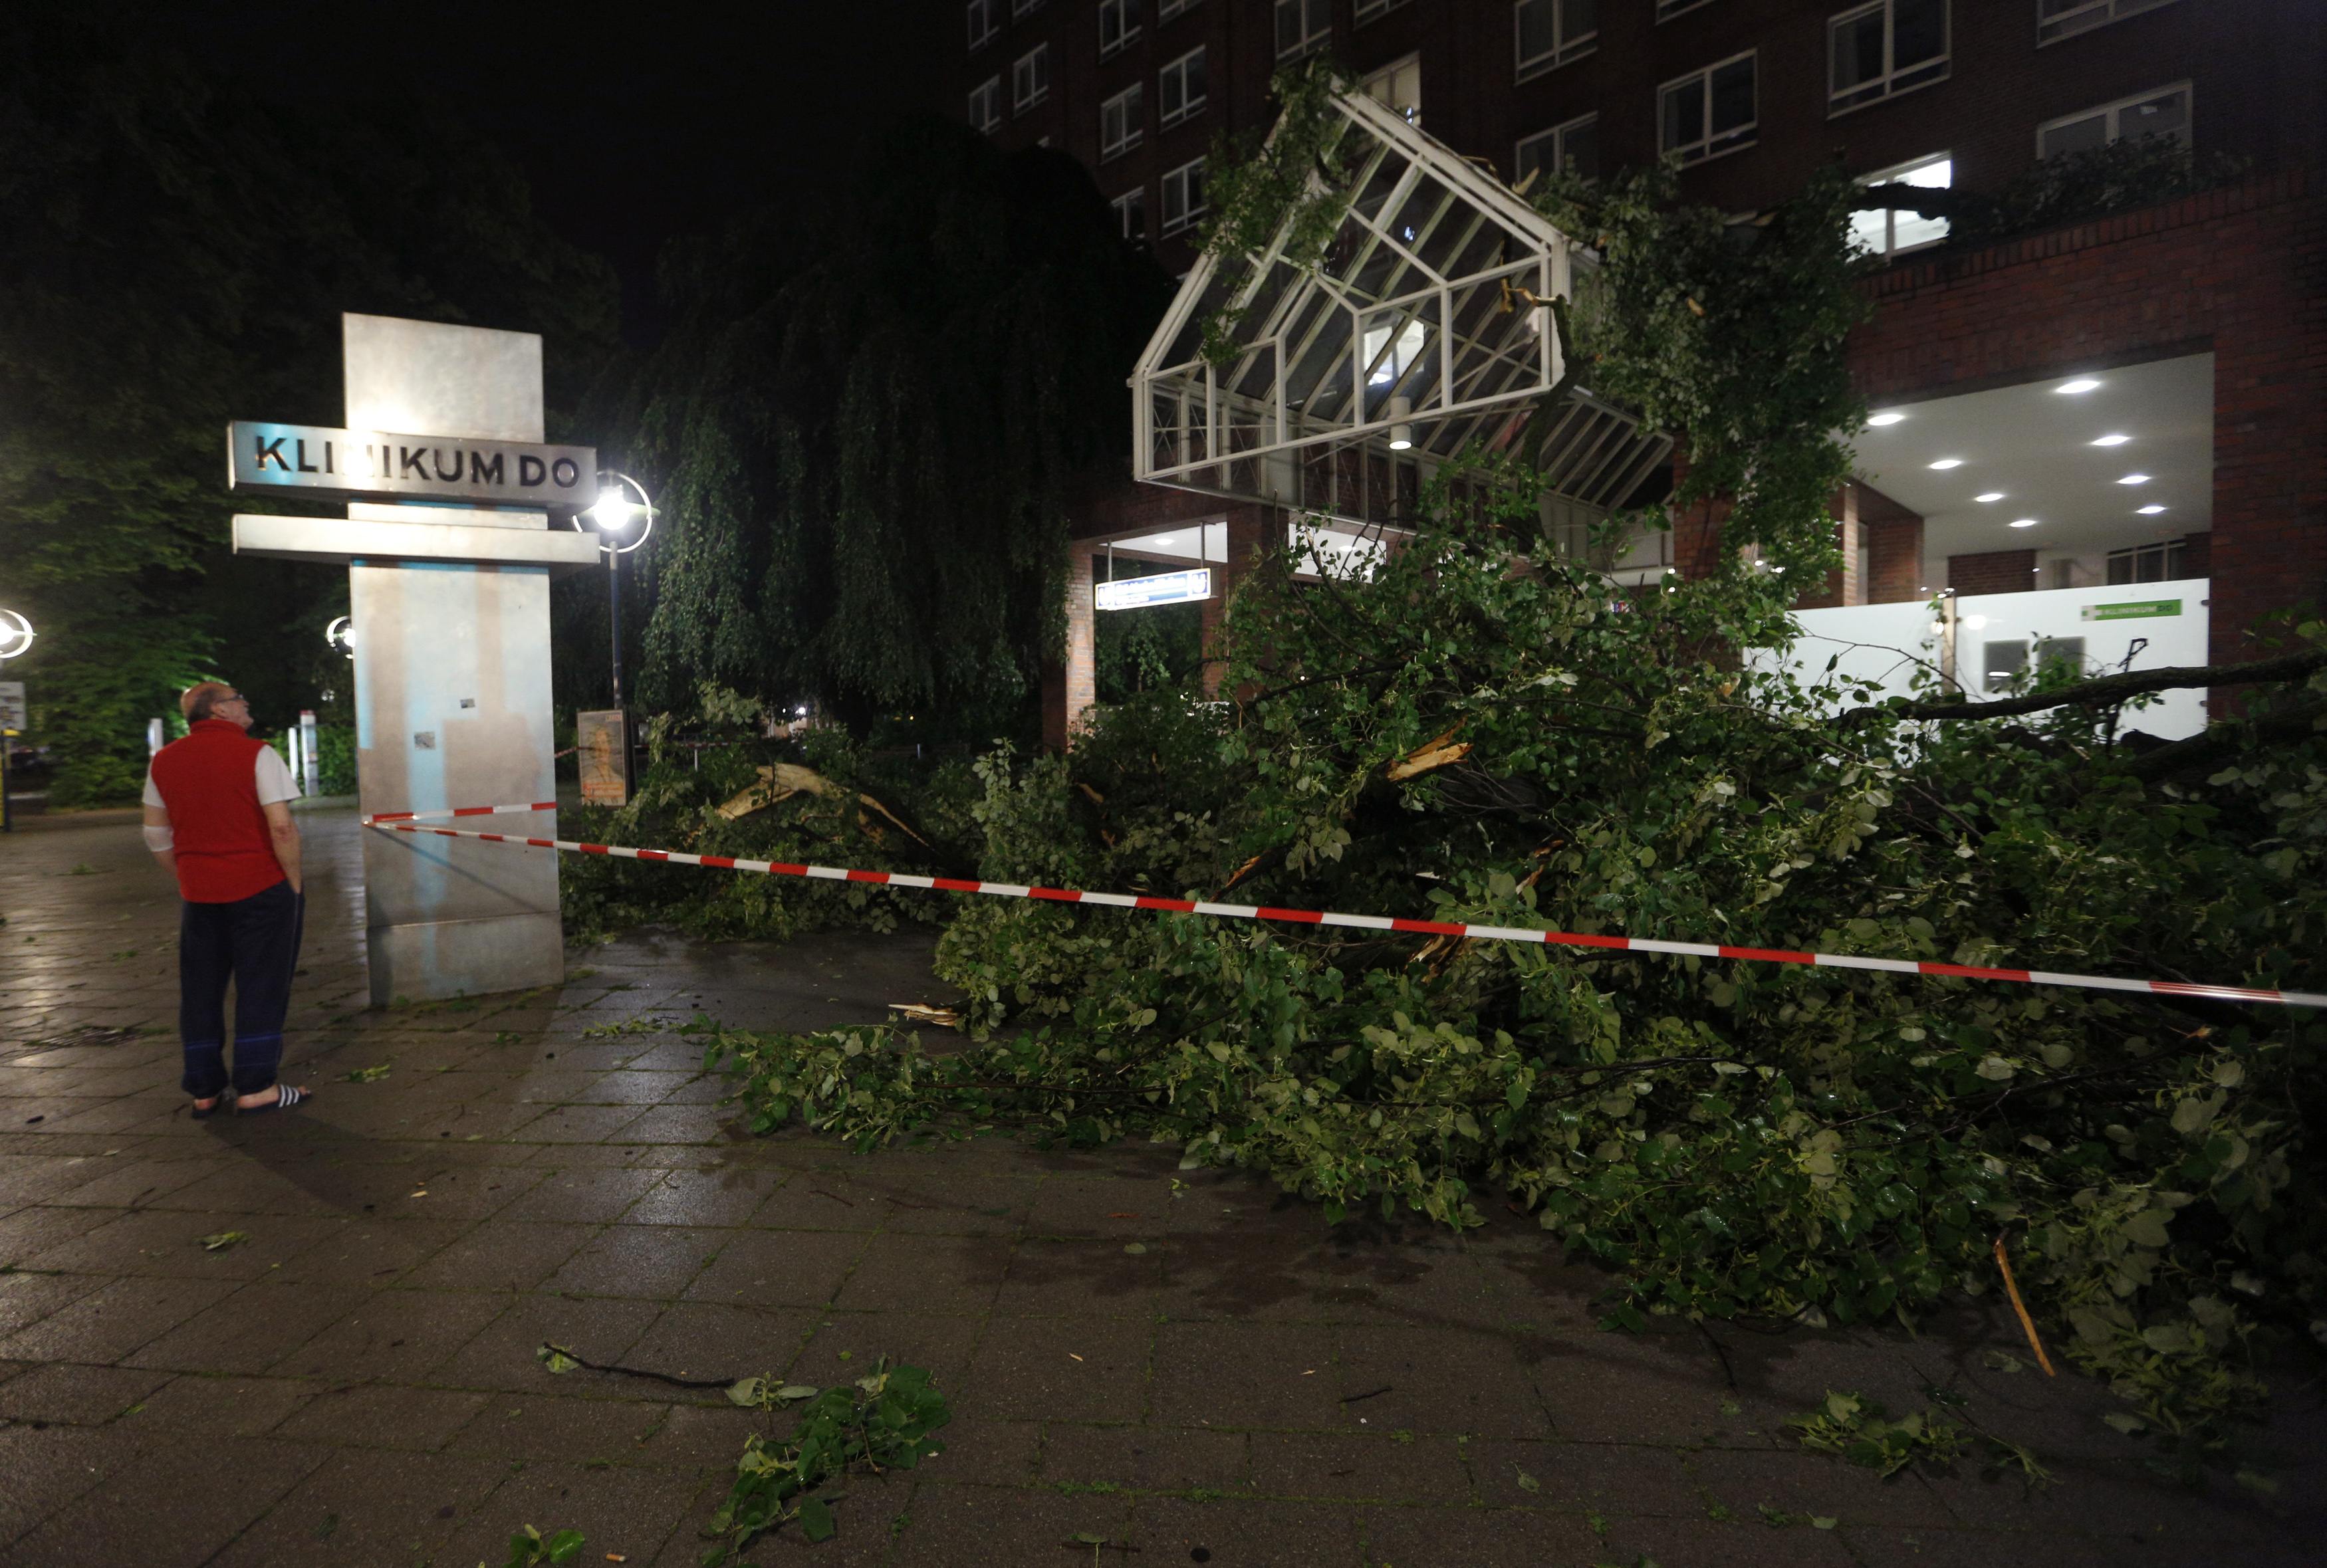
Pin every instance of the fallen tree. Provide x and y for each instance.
(1482, 728)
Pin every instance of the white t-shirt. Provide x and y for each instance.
(273, 780)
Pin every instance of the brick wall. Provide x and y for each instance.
(1070, 687)
(2235, 270)
(1993, 572)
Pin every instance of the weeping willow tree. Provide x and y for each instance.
(870, 432)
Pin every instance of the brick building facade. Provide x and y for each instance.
(1754, 94)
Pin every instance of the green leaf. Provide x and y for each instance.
(747, 1391)
(220, 1240)
(2147, 1229)
(556, 1357)
(367, 1074)
(1527, 1483)
(563, 1545)
(816, 1519)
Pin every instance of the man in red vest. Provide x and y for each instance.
(218, 816)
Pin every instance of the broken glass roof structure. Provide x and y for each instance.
(1423, 328)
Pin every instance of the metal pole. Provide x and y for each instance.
(7, 817)
(614, 599)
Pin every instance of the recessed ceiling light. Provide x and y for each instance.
(2134, 479)
(2151, 510)
(1885, 418)
(1989, 495)
(1949, 463)
(2112, 440)
(2082, 384)
(2023, 522)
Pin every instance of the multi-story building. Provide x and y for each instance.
(2131, 399)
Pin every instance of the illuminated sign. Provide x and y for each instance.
(1169, 588)
(366, 465)
(2138, 610)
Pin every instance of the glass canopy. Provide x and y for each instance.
(1425, 328)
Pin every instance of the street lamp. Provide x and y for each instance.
(16, 637)
(614, 518)
(342, 635)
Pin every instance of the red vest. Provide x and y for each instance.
(210, 786)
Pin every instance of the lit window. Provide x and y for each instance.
(1184, 196)
(985, 105)
(1121, 119)
(1118, 24)
(1398, 87)
(1301, 26)
(2059, 19)
(1707, 112)
(1574, 147)
(982, 23)
(1879, 232)
(1551, 33)
(2162, 562)
(1131, 215)
(1371, 10)
(1030, 79)
(1668, 9)
(1179, 89)
(2162, 113)
(1888, 47)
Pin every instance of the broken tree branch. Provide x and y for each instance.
(2103, 689)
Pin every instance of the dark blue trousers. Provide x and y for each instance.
(255, 943)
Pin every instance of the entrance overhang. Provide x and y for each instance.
(1424, 330)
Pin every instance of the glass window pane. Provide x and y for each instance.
(1870, 231)
(1684, 116)
(1582, 16)
(1919, 31)
(1538, 23)
(1195, 78)
(2167, 115)
(1857, 51)
(2076, 136)
(1582, 151)
(1732, 97)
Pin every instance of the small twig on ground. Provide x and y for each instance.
(2027, 1324)
(676, 1382)
(1369, 1393)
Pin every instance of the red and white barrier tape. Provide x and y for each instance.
(409, 822)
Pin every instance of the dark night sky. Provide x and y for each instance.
(636, 123)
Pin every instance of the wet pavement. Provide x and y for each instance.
(1192, 1368)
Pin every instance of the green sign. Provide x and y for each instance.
(2139, 610)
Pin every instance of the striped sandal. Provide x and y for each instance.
(285, 1096)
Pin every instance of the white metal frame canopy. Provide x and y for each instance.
(1407, 344)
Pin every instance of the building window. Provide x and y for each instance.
(1118, 24)
(1300, 26)
(1121, 119)
(985, 105)
(2162, 113)
(1889, 47)
(1888, 233)
(1184, 196)
(1574, 147)
(1397, 87)
(1707, 112)
(1551, 33)
(1179, 89)
(1668, 9)
(2059, 19)
(1021, 7)
(1030, 79)
(1131, 215)
(1372, 9)
(982, 23)
(1167, 9)
(2159, 562)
